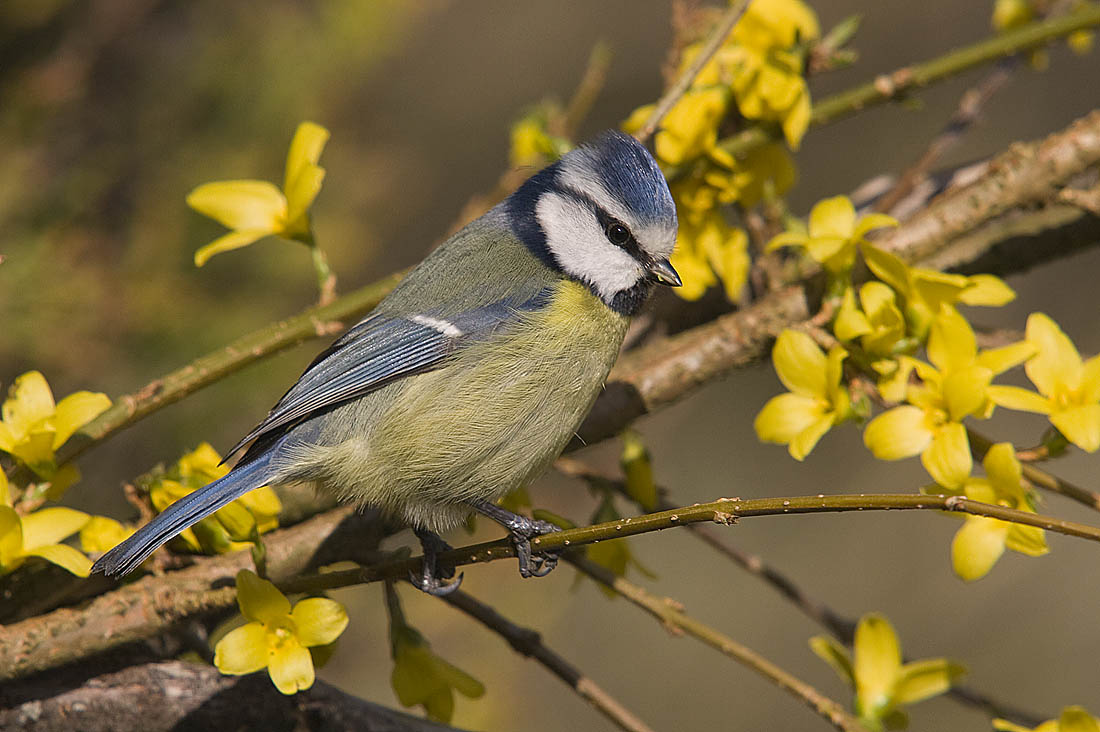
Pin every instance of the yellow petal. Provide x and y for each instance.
(948, 458)
(65, 557)
(5, 491)
(1056, 361)
(260, 600)
(29, 401)
(987, 289)
(836, 253)
(291, 667)
(51, 525)
(833, 653)
(787, 239)
(872, 221)
(886, 267)
(102, 534)
(964, 391)
(797, 119)
(951, 343)
(300, 196)
(1028, 540)
(75, 411)
(243, 650)
(921, 680)
(1090, 380)
(836, 393)
(64, 478)
(1004, 469)
(800, 364)
(850, 322)
(937, 288)
(228, 242)
(833, 217)
(977, 546)
(11, 536)
(804, 442)
(305, 150)
(319, 620)
(999, 360)
(877, 662)
(898, 433)
(1080, 425)
(785, 416)
(241, 204)
(1076, 719)
(1013, 397)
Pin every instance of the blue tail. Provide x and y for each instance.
(193, 507)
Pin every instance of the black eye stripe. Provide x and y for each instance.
(606, 220)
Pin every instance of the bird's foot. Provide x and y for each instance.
(435, 578)
(522, 530)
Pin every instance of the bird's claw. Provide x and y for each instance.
(531, 564)
(433, 574)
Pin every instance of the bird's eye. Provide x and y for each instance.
(618, 234)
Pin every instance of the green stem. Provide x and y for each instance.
(891, 86)
(326, 279)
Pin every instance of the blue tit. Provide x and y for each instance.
(468, 380)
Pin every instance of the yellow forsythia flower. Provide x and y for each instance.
(422, 678)
(817, 399)
(254, 209)
(229, 528)
(1069, 388)
(882, 684)
(834, 233)
(955, 386)
(39, 535)
(924, 291)
(981, 541)
(532, 143)
(708, 248)
(638, 471)
(1072, 719)
(277, 637)
(101, 534)
(33, 426)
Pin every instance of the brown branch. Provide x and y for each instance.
(965, 115)
(529, 643)
(684, 81)
(670, 613)
(176, 695)
(1026, 173)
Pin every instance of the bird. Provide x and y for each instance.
(473, 374)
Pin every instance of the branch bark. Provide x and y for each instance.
(176, 695)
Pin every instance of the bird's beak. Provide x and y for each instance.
(662, 272)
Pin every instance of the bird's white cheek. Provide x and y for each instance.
(576, 239)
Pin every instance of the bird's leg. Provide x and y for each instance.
(522, 530)
(433, 573)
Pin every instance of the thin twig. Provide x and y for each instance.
(980, 444)
(684, 81)
(895, 85)
(671, 615)
(965, 115)
(587, 91)
(840, 626)
(529, 643)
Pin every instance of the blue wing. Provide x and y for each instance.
(380, 349)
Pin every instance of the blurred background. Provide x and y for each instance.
(110, 112)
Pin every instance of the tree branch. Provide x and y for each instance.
(529, 643)
(888, 87)
(175, 695)
(670, 613)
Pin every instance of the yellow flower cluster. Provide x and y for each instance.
(1072, 719)
(882, 684)
(881, 327)
(39, 534)
(758, 72)
(231, 527)
(34, 427)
